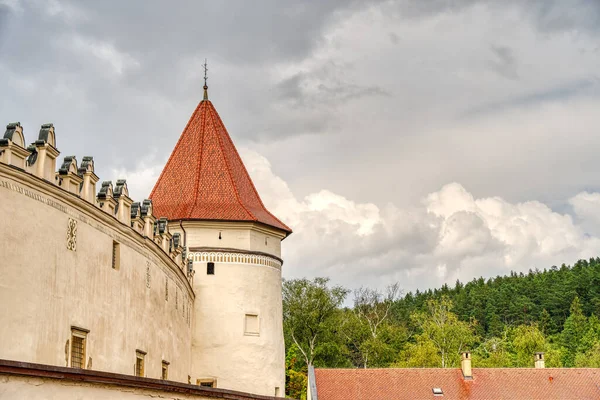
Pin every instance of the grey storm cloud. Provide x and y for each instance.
(364, 123)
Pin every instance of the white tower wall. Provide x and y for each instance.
(238, 328)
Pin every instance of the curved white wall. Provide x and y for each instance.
(244, 282)
(45, 288)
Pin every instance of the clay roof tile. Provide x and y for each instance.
(205, 178)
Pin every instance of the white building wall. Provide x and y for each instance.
(46, 287)
(248, 282)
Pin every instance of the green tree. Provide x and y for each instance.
(494, 353)
(295, 377)
(526, 341)
(309, 312)
(441, 330)
(589, 359)
(573, 332)
(372, 312)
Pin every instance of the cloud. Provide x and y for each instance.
(119, 61)
(504, 62)
(366, 112)
(141, 179)
(451, 233)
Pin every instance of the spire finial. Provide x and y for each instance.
(205, 79)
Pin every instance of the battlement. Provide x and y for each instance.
(39, 159)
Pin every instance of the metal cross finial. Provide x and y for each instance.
(205, 79)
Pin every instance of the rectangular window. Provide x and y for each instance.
(78, 339)
(251, 325)
(207, 382)
(116, 255)
(210, 268)
(165, 370)
(139, 362)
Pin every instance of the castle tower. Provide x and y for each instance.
(234, 242)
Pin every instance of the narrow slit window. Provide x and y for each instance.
(139, 362)
(251, 325)
(210, 268)
(78, 342)
(116, 255)
(165, 370)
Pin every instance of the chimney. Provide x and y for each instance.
(539, 360)
(465, 365)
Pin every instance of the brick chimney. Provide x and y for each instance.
(465, 365)
(539, 360)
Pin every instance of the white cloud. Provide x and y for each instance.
(451, 235)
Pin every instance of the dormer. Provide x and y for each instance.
(12, 146)
(86, 172)
(105, 198)
(149, 219)
(67, 177)
(43, 154)
(137, 223)
(121, 195)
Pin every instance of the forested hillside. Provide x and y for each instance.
(503, 321)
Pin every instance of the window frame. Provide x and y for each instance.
(79, 333)
(116, 255)
(140, 361)
(246, 331)
(207, 382)
(164, 374)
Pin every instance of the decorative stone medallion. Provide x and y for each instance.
(72, 235)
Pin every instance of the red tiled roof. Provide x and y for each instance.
(205, 178)
(487, 383)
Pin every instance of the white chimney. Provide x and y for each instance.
(465, 365)
(539, 360)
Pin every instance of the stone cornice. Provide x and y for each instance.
(233, 256)
(60, 198)
(64, 374)
(217, 224)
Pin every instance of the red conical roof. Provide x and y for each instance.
(205, 178)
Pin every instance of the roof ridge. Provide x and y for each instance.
(235, 188)
(199, 164)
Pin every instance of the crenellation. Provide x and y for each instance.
(105, 198)
(43, 154)
(149, 218)
(121, 195)
(67, 176)
(163, 234)
(86, 172)
(176, 248)
(12, 146)
(137, 223)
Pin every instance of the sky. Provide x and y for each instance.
(409, 141)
